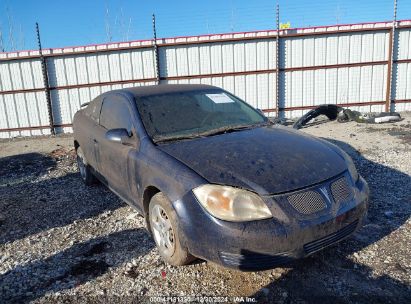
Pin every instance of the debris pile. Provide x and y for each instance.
(333, 112)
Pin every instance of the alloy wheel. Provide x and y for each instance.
(162, 231)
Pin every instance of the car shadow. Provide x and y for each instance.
(74, 266)
(336, 274)
(35, 197)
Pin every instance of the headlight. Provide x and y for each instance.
(231, 204)
(351, 167)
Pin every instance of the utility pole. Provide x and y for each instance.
(156, 57)
(391, 60)
(277, 64)
(45, 82)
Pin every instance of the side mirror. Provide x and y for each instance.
(121, 136)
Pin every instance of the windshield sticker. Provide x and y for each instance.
(220, 98)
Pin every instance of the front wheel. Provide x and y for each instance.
(84, 168)
(164, 228)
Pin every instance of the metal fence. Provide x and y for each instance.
(366, 67)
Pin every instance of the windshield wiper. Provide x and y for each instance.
(221, 130)
(158, 139)
(229, 129)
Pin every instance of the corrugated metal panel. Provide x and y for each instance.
(339, 85)
(69, 100)
(334, 49)
(20, 75)
(225, 57)
(404, 44)
(402, 76)
(21, 109)
(257, 90)
(99, 68)
(402, 71)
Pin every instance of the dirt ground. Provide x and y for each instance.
(61, 241)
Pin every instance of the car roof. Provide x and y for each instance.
(167, 88)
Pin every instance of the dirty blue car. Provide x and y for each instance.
(215, 179)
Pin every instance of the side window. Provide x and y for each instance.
(93, 109)
(115, 114)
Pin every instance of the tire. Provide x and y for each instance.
(84, 168)
(163, 225)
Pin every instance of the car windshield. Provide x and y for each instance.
(191, 114)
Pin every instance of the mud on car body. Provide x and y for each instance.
(215, 179)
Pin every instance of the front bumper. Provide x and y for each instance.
(265, 244)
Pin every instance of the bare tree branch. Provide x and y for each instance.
(108, 29)
(11, 29)
(2, 48)
(21, 38)
(128, 29)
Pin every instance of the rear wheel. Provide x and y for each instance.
(84, 168)
(164, 228)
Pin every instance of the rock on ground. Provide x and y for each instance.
(61, 241)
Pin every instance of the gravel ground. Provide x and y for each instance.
(61, 241)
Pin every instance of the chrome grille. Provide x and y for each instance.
(307, 202)
(341, 190)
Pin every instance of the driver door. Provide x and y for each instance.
(116, 113)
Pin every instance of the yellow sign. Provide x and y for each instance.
(284, 26)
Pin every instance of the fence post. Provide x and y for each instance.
(277, 64)
(46, 82)
(388, 97)
(157, 60)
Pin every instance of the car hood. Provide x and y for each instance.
(267, 160)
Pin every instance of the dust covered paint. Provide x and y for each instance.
(176, 139)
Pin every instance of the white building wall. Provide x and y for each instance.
(340, 65)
